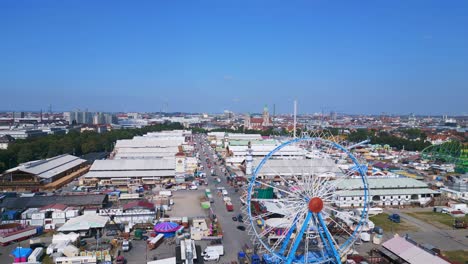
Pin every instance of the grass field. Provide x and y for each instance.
(459, 256)
(437, 219)
(381, 220)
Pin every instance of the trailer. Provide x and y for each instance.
(156, 241)
(165, 193)
(36, 255)
(17, 235)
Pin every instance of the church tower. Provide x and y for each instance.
(266, 117)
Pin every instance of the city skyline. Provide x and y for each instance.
(397, 57)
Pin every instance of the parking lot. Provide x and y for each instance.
(187, 203)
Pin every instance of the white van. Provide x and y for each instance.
(211, 256)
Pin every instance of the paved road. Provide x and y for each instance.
(233, 239)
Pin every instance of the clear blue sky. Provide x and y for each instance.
(208, 56)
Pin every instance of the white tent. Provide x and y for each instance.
(61, 237)
(70, 251)
(84, 223)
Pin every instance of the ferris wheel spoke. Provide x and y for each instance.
(286, 183)
(276, 188)
(293, 248)
(340, 213)
(288, 232)
(316, 225)
(265, 232)
(262, 216)
(339, 225)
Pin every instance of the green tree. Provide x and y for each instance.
(25, 154)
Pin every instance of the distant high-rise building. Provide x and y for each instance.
(80, 117)
(18, 115)
(104, 119)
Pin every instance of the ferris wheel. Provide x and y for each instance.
(296, 207)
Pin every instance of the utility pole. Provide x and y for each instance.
(295, 114)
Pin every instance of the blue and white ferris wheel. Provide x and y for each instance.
(295, 212)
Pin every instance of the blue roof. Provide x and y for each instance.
(21, 252)
(10, 214)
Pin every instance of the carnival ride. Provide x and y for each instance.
(453, 151)
(300, 207)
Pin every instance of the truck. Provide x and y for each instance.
(217, 248)
(229, 207)
(394, 218)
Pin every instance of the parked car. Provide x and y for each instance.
(111, 233)
(394, 218)
(240, 218)
(241, 228)
(234, 218)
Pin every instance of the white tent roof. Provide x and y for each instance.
(130, 174)
(61, 237)
(84, 222)
(49, 167)
(130, 164)
(278, 222)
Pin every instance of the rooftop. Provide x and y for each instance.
(84, 222)
(40, 201)
(133, 165)
(49, 167)
(410, 252)
(139, 204)
(382, 183)
(133, 173)
(304, 166)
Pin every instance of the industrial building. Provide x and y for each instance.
(287, 152)
(22, 203)
(390, 191)
(288, 168)
(23, 133)
(50, 173)
(148, 147)
(131, 171)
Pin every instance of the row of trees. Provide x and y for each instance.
(74, 142)
(394, 141)
(77, 143)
